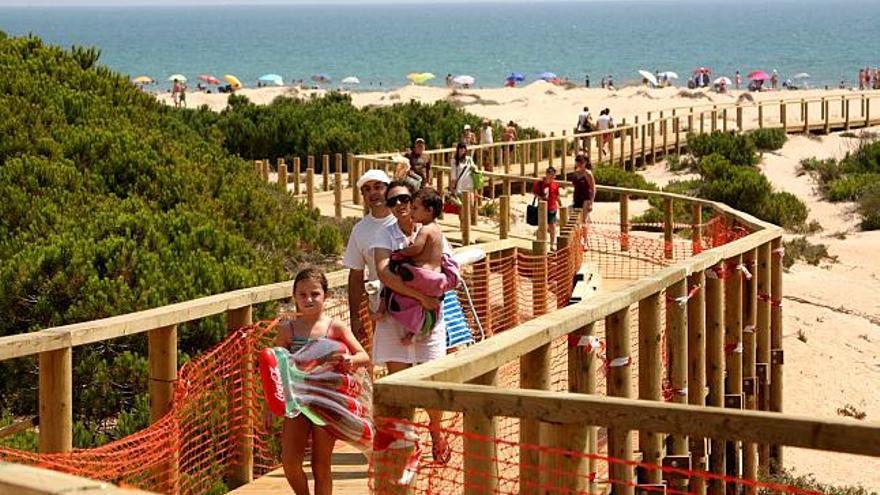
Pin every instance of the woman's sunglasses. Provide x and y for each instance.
(400, 198)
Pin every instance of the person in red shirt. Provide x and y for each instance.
(548, 190)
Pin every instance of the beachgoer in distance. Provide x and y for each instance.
(461, 167)
(603, 83)
(468, 136)
(548, 190)
(509, 133)
(426, 250)
(610, 82)
(309, 294)
(486, 138)
(584, 124)
(774, 80)
(584, 189)
(387, 347)
(604, 123)
(419, 165)
(182, 96)
(737, 79)
(448, 80)
(587, 81)
(175, 93)
(861, 78)
(359, 252)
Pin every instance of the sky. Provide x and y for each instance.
(127, 3)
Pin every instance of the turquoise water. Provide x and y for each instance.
(382, 43)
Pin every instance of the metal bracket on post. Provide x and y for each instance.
(763, 372)
(733, 401)
(749, 385)
(677, 462)
(777, 356)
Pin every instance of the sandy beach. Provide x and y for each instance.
(832, 312)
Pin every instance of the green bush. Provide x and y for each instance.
(808, 483)
(768, 139)
(869, 207)
(800, 248)
(851, 186)
(744, 189)
(617, 177)
(784, 209)
(737, 148)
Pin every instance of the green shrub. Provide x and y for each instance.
(869, 207)
(737, 148)
(808, 483)
(784, 209)
(768, 139)
(851, 186)
(617, 177)
(744, 189)
(800, 248)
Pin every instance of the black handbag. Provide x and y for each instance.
(532, 213)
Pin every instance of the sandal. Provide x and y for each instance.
(440, 451)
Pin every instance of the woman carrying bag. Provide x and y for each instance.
(462, 174)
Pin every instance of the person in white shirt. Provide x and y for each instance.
(585, 124)
(359, 257)
(604, 123)
(487, 139)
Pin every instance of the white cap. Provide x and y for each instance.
(467, 127)
(377, 175)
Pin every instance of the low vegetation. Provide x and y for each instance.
(801, 249)
(809, 484)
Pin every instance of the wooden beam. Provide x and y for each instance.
(776, 351)
(480, 473)
(619, 375)
(715, 364)
(696, 316)
(56, 401)
(833, 435)
(534, 374)
(650, 381)
(583, 363)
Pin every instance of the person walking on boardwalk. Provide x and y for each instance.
(419, 174)
(547, 189)
(584, 124)
(605, 123)
(358, 256)
(584, 189)
(486, 139)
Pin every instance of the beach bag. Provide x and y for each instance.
(451, 204)
(477, 179)
(532, 213)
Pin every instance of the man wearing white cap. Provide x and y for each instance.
(358, 253)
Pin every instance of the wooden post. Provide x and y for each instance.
(282, 174)
(582, 369)
(325, 173)
(776, 353)
(296, 175)
(563, 158)
(724, 120)
(715, 364)
(563, 218)
(653, 142)
(827, 105)
(677, 352)
(806, 115)
(760, 115)
(310, 188)
(762, 341)
(390, 463)
(439, 174)
(352, 177)
(534, 374)
(644, 144)
(521, 154)
(258, 167)
(632, 146)
(668, 226)
(702, 122)
(783, 115)
(617, 330)
(337, 194)
(338, 162)
(242, 465)
(714, 116)
(265, 169)
(867, 112)
(624, 222)
(733, 348)
(480, 474)
(696, 228)
(739, 117)
(162, 349)
(623, 132)
(823, 108)
(650, 382)
(845, 103)
(536, 157)
(464, 217)
(355, 172)
(750, 316)
(504, 224)
(540, 276)
(696, 324)
(676, 128)
(691, 121)
(56, 401)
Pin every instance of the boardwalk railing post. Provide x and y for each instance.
(356, 169)
(310, 188)
(534, 374)
(162, 351)
(464, 217)
(760, 115)
(762, 341)
(696, 228)
(805, 114)
(282, 174)
(562, 159)
(582, 368)
(668, 228)
(739, 117)
(776, 352)
(56, 401)
(297, 170)
(733, 347)
(624, 222)
(337, 194)
(650, 382)
(480, 473)
(617, 330)
(750, 317)
(696, 324)
(677, 352)
(715, 364)
(783, 116)
(325, 172)
(504, 212)
(242, 466)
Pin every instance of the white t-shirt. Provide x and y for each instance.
(604, 122)
(462, 172)
(583, 117)
(486, 135)
(359, 251)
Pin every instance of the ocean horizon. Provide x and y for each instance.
(381, 43)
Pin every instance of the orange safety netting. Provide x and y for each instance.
(218, 399)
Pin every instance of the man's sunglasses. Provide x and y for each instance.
(400, 198)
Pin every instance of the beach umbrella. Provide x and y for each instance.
(702, 70)
(463, 79)
(321, 78)
(547, 76)
(420, 77)
(759, 75)
(801, 75)
(725, 80)
(208, 78)
(650, 77)
(516, 76)
(351, 80)
(179, 77)
(272, 79)
(143, 80)
(233, 81)
(669, 75)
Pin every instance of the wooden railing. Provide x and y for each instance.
(16, 479)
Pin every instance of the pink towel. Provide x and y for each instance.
(408, 311)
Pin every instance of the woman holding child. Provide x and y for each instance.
(393, 343)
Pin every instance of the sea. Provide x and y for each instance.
(382, 43)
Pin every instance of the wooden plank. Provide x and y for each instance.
(862, 437)
(56, 401)
(619, 384)
(534, 374)
(480, 473)
(650, 380)
(17, 479)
